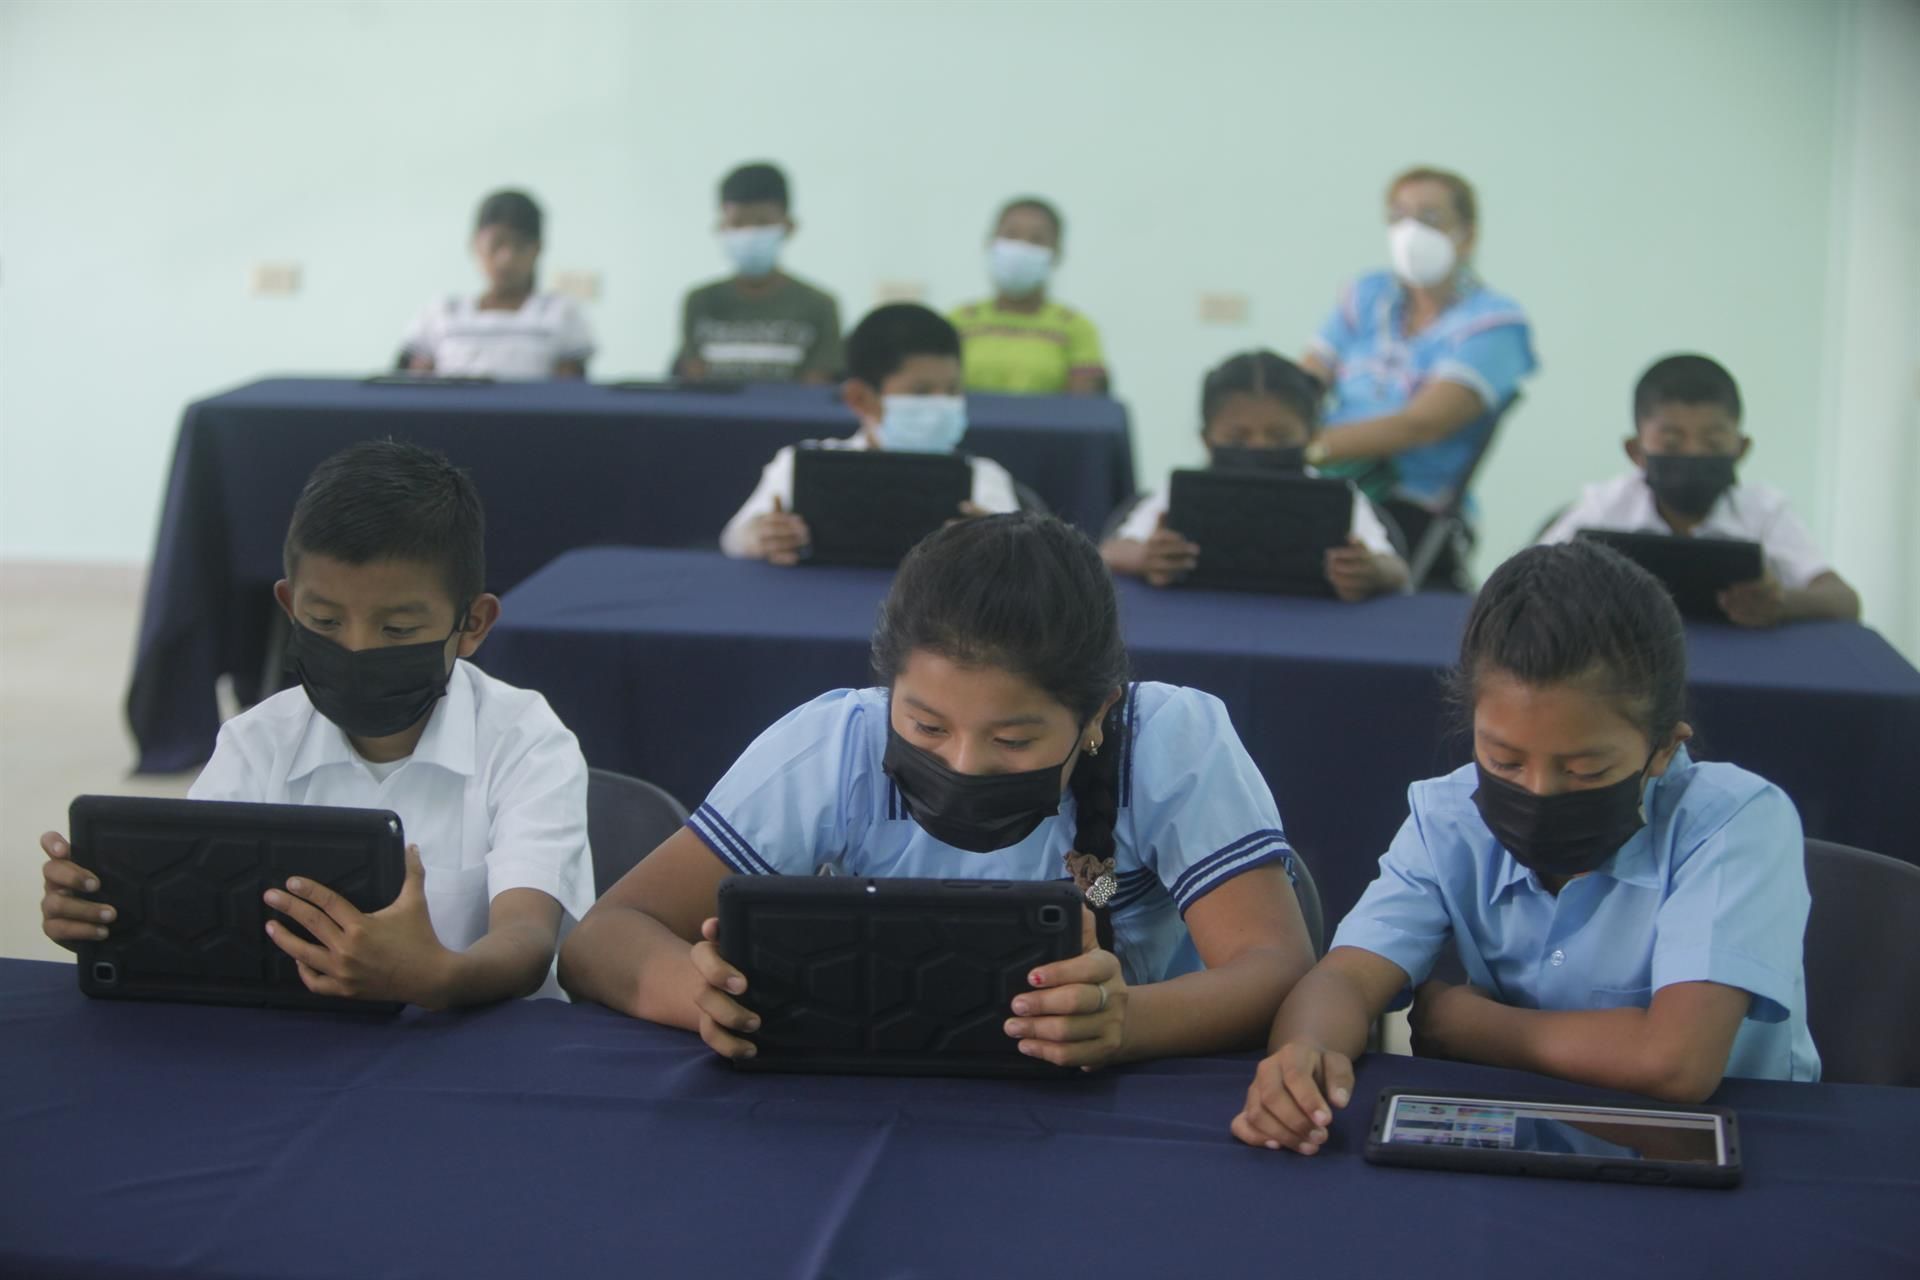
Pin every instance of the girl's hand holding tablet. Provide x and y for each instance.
(1076, 1015)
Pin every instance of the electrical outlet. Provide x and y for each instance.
(898, 291)
(1223, 308)
(581, 286)
(274, 279)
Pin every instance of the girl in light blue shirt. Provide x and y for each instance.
(1626, 916)
(1004, 743)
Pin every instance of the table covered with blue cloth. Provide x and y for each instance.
(558, 465)
(667, 664)
(544, 1139)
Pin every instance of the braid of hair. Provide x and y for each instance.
(1096, 799)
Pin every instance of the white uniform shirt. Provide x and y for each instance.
(992, 490)
(1145, 517)
(494, 795)
(1751, 512)
(462, 339)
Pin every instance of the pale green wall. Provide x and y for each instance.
(1654, 176)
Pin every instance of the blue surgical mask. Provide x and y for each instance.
(753, 250)
(922, 424)
(1018, 268)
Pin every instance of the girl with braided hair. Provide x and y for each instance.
(1004, 742)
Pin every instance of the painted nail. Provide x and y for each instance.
(1036, 979)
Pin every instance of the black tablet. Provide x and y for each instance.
(893, 977)
(431, 380)
(1261, 530)
(869, 507)
(1543, 1138)
(185, 879)
(1695, 570)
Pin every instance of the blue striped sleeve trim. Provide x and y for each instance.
(727, 844)
(1246, 845)
(1134, 885)
(1256, 857)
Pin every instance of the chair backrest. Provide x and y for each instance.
(626, 820)
(1457, 497)
(1863, 965)
(1309, 895)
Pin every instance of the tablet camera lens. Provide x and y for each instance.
(1052, 917)
(105, 973)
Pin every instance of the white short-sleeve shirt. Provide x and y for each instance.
(463, 339)
(1751, 512)
(1145, 517)
(992, 491)
(494, 795)
(1193, 813)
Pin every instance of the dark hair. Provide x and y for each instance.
(1579, 612)
(1029, 595)
(756, 183)
(889, 335)
(385, 500)
(514, 210)
(1685, 379)
(1464, 202)
(1262, 373)
(1039, 206)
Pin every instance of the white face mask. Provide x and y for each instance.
(753, 250)
(1421, 256)
(1018, 268)
(922, 424)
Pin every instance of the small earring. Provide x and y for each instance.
(1093, 747)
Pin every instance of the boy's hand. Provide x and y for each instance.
(1076, 1016)
(1352, 570)
(1754, 604)
(1287, 1104)
(721, 1016)
(66, 915)
(1439, 1012)
(779, 536)
(1170, 557)
(392, 954)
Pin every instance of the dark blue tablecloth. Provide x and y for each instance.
(559, 465)
(666, 664)
(542, 1139)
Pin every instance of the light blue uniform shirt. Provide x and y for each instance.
(1193, 813)
(1481, 342)
(1712, 889)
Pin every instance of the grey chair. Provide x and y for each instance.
(1309, 895)
(626, 820)
(1863, 965)
(1441, 537)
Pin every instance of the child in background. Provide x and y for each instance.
(1686, 444)
(760, 324)
(903, 382)
(510, 331)
(1020, 341)
(1626, 918)
(1258, 408)
(384, 591)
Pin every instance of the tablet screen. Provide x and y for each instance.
(1616, 1133)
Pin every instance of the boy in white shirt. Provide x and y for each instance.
(385, 567)
(1687, 441)
(1261, 410)
(903, 383)
(510, 331)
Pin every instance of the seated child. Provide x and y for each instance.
(1004, 742)
(760, 324)
(384, 593)
(1019, 340)
(510, 331)
(903, 382)
(1256, 400)
(1687, 441)
(1625, 917)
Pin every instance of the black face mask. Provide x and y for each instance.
(1233, 457)
(370, 693)
(980, 813)
(1689, 483)
(1568, 834)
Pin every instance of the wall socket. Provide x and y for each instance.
(899, 291)
(1223, 308)
(274, 279)
(581, 286)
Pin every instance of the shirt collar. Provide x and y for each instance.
(447, 742)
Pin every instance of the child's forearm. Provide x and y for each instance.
(1610, 1048)
(1827, 596)
(1390, 571)
(630, 962)
(507, 964)
(1125, 555)
(1331, 1007)
(1214, 1010)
